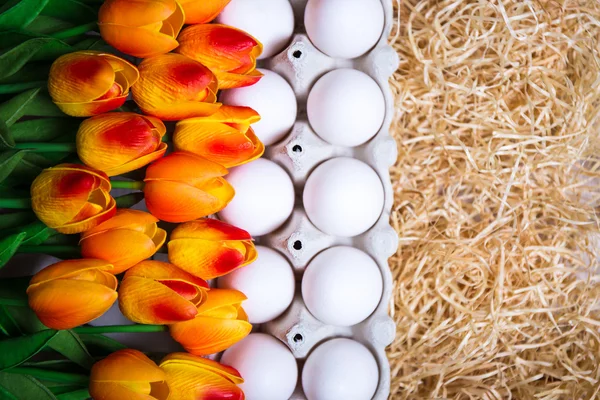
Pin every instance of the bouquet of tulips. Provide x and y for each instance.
(69, 134)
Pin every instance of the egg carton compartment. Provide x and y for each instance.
(299, 153)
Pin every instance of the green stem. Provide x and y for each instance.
(63, 251)
(138, 328)
(15, 203)
(8, 88)
(47, 147)
(135, 185)
(75, 31)
(54, 376)
(166, 138)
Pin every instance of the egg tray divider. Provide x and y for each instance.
(301, 64)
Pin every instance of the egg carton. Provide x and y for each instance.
(301, 64)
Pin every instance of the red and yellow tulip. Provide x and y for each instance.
(173, 87)
(224, 137)
(72, 198)
(72, 293)
(182, 187)
(201, 12)
(127, 374)
(220, 323)
(124, 240)
(116, 143)
(209, 248)
(193, 378)
(230, 53)
(87, 83)
(141, 28)
(155, 292)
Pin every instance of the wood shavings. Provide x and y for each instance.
(496, 196)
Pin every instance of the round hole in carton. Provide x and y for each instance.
(297, 245)
(297, 54)
(298, 338)
(297, 149)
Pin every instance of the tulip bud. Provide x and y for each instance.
(201, 12)
(190, 377)
(127, 374)
(72, 198)
(155, 292)
(87, 83)
(72, 293)
(220, 323)
(141, 28)
(124, 240)
(116, 143)
(182, 187)
(209, 248)
(224, 137)
(173, 87)
(230, 53)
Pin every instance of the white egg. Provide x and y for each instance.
(346, 107)
(264, 197)
(342, 286)
(344, 28)
(269, 21)
(340, 369)
(268, 367)
(268, 283)
(343, 197)
(273, 98)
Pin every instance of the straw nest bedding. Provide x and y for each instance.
(496, 198)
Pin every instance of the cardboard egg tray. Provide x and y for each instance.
(301, 64)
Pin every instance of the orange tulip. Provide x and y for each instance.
(224, 137)
(127, 374)
(182, 187)
(141, 28)
(72, 198)
(116, 143)
(155, 292)
(201, 12)
(194, 378)
(229, 52)
(88, 82)
(124, 240)
(173, 87)
(72, 293)
(209, 248)
(220, 323)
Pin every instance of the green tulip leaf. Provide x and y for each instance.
(129, 200)
(16, 219)
(6, 139)
(16, 351)
(37, 233)
(8, 326)
(33, 72)
(100, 345)
(43, 129)
(25, 318)
(69, 345)
(63, 388)
(17, 14)
(33, 49)
(43, 106)
(9, 246)
(23, 387)
(12, 291)
(45, 25)
(12, 110)
(9, 160)
(81, 394)
(71, 11)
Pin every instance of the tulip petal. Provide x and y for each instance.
(113, 390)
(65, 304)
(69, 268)
(127, 365)
(228, 80)
(84, 225)
(137, 41)
(185, 167)
(209, 229)
(123, 248)
(125, 218)
(207, 335)
(77, 77)
(147, 301)
(136, 13)
(138, 162)
(92, 107)
(177, 202)
(199, 378)
(201, 12)
(221, 297)
(176, 20)
(159, 270)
